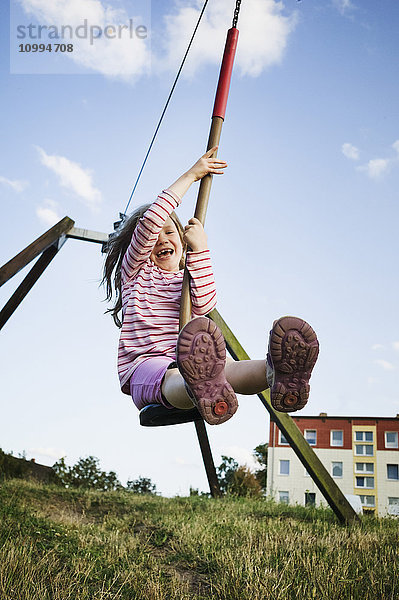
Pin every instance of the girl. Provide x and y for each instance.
(148, 254)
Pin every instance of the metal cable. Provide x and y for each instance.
(236, 13)
(123, 215)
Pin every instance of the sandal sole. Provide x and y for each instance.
(201, 359)
(293, 351)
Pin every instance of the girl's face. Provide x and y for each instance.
(168, 249)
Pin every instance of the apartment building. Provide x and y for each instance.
(360, 453)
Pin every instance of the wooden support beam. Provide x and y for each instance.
(207, 458)
(40, 265)
(13, 266)
(305, 453)
(87, 236)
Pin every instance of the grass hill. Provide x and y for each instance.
(59, 544)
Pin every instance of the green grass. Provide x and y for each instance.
(63, 544)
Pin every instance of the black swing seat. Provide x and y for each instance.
(156, 415)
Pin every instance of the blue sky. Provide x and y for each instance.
(303, 222)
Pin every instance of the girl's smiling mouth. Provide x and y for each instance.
(166, 252)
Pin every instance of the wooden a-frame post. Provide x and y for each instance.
(293, 435)
(47, 245)
(218, 115)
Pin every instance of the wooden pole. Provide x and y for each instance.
(200, 213)
(218, 115)
(219, 110)
(208, 459)
(286, 424)
(41, 244)
(22, 290)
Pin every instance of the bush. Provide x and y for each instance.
(244, 483)
(142, 485)
(236, 480)
(86, 474)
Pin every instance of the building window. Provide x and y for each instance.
(364, 468)
(310, 499)
(368, 501)
(336, 438)
(284, 497)
(283, 440)
(393, 506)
(311, 436)
(393, 472)
(337, 469)
(391, 439)
(363, 436)
(284, 467)
(364, 450)
(365, 482)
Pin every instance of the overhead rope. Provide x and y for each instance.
(123, 215)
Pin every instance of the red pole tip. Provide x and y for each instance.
(226, 69)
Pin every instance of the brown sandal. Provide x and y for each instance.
(293, 351)
(201, 359)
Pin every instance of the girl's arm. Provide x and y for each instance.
(202, 167)
(149, 226)
(202, 282)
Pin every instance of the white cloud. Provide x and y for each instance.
(387, 366)
(15, 184)
(377, 347)
(242, 455)
(47, 212)
(73, 177)
(350, 151)
(47, 452)
(376, 167)
(344, 6)
(126, 55)
(264, 32)
(372, 380)
(395, 345)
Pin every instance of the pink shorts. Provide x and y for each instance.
(146, 382)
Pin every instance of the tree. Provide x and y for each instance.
(86, 473)
(62, 470)
(244, 483)
(142, 485)
(237, 480)
(260, 453)
(225, 472)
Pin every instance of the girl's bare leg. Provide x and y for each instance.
(174, 390)
(245, 376)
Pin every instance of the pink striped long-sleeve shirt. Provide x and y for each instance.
(151, 296)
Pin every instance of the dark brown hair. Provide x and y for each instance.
(116, 248)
